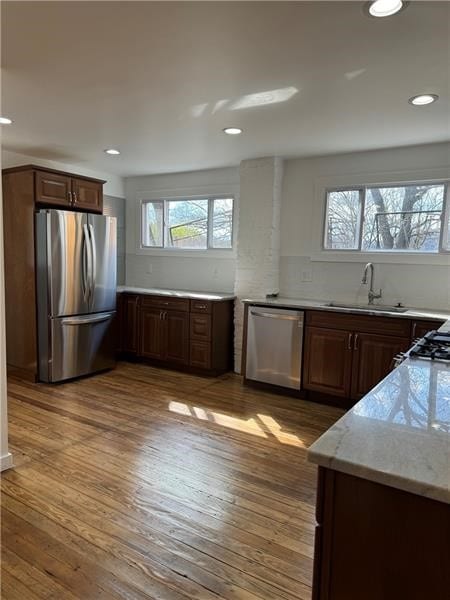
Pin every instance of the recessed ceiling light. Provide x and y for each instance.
(385, 8)
(232, 130)
(112, 151)
(5, 121)
(423, 99)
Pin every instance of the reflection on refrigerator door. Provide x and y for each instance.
(76, 284)
(82, 345)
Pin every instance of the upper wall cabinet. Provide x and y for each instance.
(87, 194)
(62, 190)
(53, 189)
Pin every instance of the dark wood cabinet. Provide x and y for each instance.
(176, 329)
(200, 355)
(128, 315)
(328, 361)
(345, 355)
(53, 189)
(151, 333)
(87, 195)
(59, 189)
(178, 332)
(376, 542)
(164, 335)
(420, 328)
(372, 360)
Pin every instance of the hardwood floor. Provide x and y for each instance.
(148, 484)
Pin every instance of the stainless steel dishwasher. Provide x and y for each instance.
(274, 346)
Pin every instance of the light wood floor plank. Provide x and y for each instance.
(144, 484)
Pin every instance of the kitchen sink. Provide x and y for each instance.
(368, 308)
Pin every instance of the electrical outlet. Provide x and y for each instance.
(149, 269)
(306, 275)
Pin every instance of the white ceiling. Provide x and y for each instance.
(160, 80)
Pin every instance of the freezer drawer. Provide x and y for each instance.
(78, 346)
(274, 346)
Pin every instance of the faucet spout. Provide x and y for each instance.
(371, 294)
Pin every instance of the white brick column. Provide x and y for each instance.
(258, 244)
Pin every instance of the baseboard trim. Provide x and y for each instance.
(6, 461)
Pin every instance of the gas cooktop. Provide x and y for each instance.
(434, 346)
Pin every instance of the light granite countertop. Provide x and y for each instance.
(398, 434)
(212, 296)
(299, 303)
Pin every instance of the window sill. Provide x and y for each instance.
(407, 258)
(178, 253)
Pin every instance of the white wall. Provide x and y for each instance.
(213, 270)
(337, 277)
(114, 185)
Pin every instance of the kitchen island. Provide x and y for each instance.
(383, 504)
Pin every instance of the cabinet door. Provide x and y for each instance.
(87, 195)
(53, 189)
(372, 360)
(129, 322)
(177, 337)
(420, 328)
(328, 361)
(151, 343)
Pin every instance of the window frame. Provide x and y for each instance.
(209, 233)
(444, 234)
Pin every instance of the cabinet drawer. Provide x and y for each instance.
(201, 306)
(200, 327)
(363, 323)
(181, 304)
(200, 355)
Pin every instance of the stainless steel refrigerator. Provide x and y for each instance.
(76, 285)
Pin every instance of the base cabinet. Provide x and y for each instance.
(151, 338)
(347, 355)
(375, 542)
(178, 332)
(372, 360)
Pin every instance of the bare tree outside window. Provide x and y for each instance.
(194, 224)
(406, 218)
(403, 218)
(343, 219)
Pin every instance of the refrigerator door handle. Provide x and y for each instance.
(93, 261)
(87, 320)
(87, 264)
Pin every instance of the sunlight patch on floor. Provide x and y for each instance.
(261, 425)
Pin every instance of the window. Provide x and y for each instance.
(396, 218)
(196, 224)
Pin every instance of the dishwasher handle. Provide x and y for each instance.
(276, 316)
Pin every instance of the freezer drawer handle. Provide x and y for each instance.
(276, 316)
(88, 320)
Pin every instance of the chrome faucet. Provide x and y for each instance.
(372, 295)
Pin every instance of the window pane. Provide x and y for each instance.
(187, 224)
(403, 218)
(343, 220)
(222, 223)
(152, 224)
